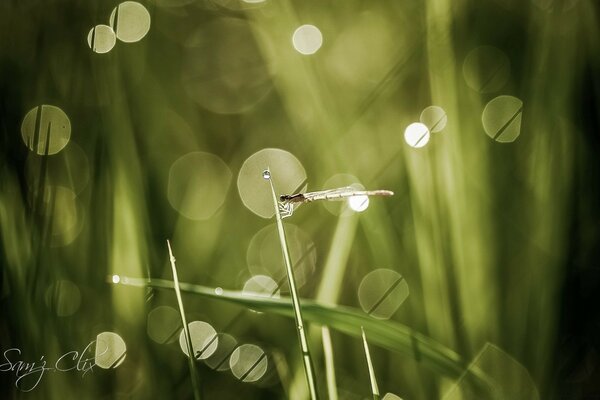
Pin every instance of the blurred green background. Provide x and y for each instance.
(157, 113)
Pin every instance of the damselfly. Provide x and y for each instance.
(289, 202)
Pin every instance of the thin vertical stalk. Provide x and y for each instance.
(374, 387)
(186, 329)
(329, 364)
(302, 338)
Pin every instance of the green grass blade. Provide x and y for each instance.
(186, 330)
(387, 334)
(309, 370)
(329, 364)
(372, 378)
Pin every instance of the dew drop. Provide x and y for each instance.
(266, 174)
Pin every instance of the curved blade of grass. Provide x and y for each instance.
(387, 334)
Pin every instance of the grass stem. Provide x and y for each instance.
(306, 358)
(329, 364)
(186, 329)
(374, 387)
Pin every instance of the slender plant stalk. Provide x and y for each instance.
(186, 329)
(306, 358)
(329, 289)
(329, 363)
(374, 387)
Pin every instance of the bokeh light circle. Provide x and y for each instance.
(163, 324)
(248, 363)
(416, 135)
(46, 129)
(261, 286)
(130, 21)
(342, 208)
(501, 118)
(219, 360)
(391, 396)
(486, 69)
(307, 39)
(287, 173)
(358, 203)
(434, 118)
(264, 255)
(381, 292)
(69, 168)
(198, 184)
(110, 350)
(555, 6)
(101, 39)
(223, 68)
(63, 297)
(64, 214)
(204, 340)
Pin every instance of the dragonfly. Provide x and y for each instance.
(289, 202)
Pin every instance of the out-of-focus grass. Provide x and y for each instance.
(483, 232)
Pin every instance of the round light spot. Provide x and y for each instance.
(307, 39)
(173, 3)
(163, 324)
(248, 363)
(341, 208)
(501, 118)
(69, 168)
(381, 292)
(204, 340)
(486, 69)
(219, 360)
(287, 173)
(63, 297)
(131, 21)
(198, 184)
(116, 279)
(391, 396)
(363, 52)
(264, 255)
(63, 213)
(261, 286)
(218, 291)
(101, 39)
(434, 118)
(46, 129)
(223, 68)
(110, 350)
(416, 135)
(266, 174)
(358, 203)
(555, 6)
